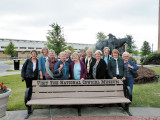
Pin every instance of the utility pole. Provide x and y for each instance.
(159, 29)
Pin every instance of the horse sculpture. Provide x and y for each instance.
(113, 43)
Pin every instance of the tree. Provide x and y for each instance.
(133, 48)
(145, 49)
(56, 39)
(101, 36)
(69, 48)
(10, 50)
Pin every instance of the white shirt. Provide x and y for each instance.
(117, 70)
(34, 66)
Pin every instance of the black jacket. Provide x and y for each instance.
(92, 60)
(112, 68)
(101, 69)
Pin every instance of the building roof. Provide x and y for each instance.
(39, 44)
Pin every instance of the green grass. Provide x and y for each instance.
(16, 100)
(12, 70)
(143, 94)
(12, 63)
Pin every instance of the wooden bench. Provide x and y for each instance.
(77, 92)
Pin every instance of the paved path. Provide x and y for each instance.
(4, 67)
(87, 113)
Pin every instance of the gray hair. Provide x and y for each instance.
(62, 53)
(125, 53)
(89, 50)
(52, 51)
(98, 51)
(106, 48)
(68, 51)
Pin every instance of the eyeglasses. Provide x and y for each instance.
(125, 56)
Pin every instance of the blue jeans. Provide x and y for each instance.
(130, 82)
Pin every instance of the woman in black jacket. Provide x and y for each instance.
(98, 69)
(30, 69)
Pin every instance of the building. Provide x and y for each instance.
(23, 47)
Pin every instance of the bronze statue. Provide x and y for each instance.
(113, 43)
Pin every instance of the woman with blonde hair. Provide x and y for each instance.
(77, 68)
(129, 65)
(41, 63)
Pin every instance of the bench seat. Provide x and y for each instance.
(78, 101)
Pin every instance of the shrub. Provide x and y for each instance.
(153, 58)
(133, 59)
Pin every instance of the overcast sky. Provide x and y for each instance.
(80, 19)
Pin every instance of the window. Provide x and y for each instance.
(30, 47)
(22, 47)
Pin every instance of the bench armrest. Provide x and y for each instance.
(127, 92)
(28, 95)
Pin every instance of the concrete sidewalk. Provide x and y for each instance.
(10, 73)
(85, 112)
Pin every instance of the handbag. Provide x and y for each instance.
(134, 73)
(58, 74)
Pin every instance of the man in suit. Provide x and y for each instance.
(88, 62)
(116, 68)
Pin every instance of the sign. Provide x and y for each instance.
(76, 82)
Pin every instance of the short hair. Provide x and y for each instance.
(75, 53)
(62, 53)
(89, 50)
(52, 51)
(82, 50)
(98, 51)
(68, 51)
(125, 53)
(34, 51)
(44, 48)
(106, 48)
(115, 51)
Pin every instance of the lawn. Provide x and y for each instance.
(12, 63)
(143, 94)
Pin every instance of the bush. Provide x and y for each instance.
(153, 58)
(133, 59)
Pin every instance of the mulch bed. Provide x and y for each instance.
(145, 75)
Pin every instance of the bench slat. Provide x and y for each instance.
(76, 95)
(76, 82)
(78, 101)
(77, 88)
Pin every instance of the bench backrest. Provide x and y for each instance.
(95, 88)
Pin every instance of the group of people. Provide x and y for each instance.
(79, 66)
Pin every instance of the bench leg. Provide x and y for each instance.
(79, 111)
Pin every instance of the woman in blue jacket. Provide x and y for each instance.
(62, 66)
(30, 69)
(41, 63)
(128, 66)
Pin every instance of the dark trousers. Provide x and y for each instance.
(88, 76)
(107, 75)
(29, 82)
